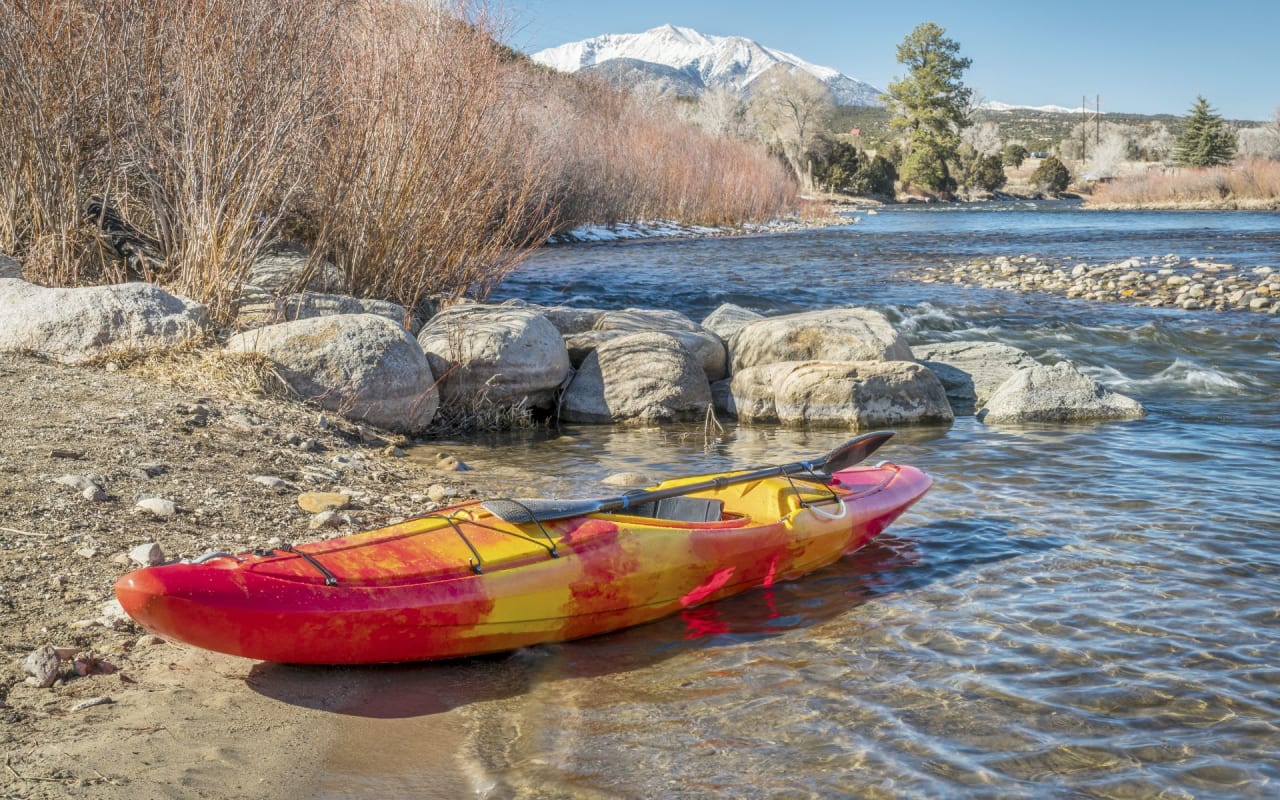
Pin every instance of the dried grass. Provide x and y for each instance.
(1252, 184)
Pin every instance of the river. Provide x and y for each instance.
(1073, 611)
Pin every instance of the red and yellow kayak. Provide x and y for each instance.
(462, 581)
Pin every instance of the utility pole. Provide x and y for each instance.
(1085, 119)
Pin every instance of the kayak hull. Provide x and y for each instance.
(461, 582)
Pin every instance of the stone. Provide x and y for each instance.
(112, 615)
(437, 493)
(318, 502)
(93, 494)
(77, 482)
(638, 378)
(307, 305)
(1056, 394)
(43, 665)
(158, 506)
(626, 479)
(76, 325)
(859, 395)
(148, 555)
(362, 366)
(495, 356)
(972, 371)
(728, 319)
(10, 267)
(706, 346)
(326, 519)
(271, 482)
(450, 463)
(839, 334)
(285, 268)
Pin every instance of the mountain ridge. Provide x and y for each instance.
(686, 61)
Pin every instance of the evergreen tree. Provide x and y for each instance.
(1206, 141)
(930, 106)
(1052, 175)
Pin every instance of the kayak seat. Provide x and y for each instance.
(681, 509)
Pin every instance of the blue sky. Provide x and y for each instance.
(1140, 57)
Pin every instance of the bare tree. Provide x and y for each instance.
(788, 107)
(1263, 141)
(721, 111)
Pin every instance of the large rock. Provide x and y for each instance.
(639, 377)
(839, 334)
(362, 366)
(972, 371)
(76, 325)
(866, 394)
(1058, 393)
(706, 346)
(306, 305)
(286, 268)
(495, 355)
(728, 319)
(10, 267)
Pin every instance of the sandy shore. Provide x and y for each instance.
(153, 718)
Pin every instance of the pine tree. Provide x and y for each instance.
(1206, 141)
(930, 105)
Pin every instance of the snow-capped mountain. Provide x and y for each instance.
(688, 62)
(996, 105)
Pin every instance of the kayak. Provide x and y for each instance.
(464, 580)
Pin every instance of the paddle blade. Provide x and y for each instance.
(855, 451)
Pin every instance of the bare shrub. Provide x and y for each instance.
(1253, 184)
(425, 187)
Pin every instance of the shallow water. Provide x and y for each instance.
(1073, 611)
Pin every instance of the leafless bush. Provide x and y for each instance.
(1251, 184)
(397, 140)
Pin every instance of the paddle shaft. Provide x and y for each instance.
(844, 456)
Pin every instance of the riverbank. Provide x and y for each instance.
(149, 718)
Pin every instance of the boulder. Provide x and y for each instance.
(76, 325)
(728, 319)
(838, 334)
(283, 270)
(1058, 393)
(972, 371)
(495, 355)
(306, 305)
(639, 377)
(362, 366)
(571, 320)
(10, 267)
(860, 395)
(706, 346)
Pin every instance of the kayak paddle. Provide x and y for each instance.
(846, 455)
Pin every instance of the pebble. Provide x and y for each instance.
(112, 615)
(271, 481)
(43, 665)
(93, 494)
(319, 502)
(449, 463)
(1191, 284)
(148, 555)
(326, 519)
(148, 640)
(437, 493)
(158, 506)
(393, 451)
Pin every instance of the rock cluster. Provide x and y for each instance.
(845, 366)
(1172, 281)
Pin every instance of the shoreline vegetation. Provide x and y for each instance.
(159, 141)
